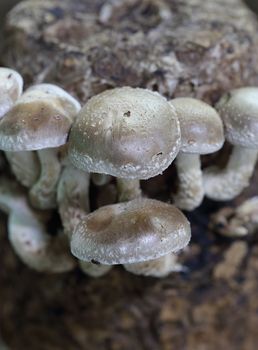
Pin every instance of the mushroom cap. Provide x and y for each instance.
(201, 127)
(139, 230)
(125, 132)
(239, 112)
(41, 118)
(11, 85)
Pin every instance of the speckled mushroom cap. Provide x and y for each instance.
(239, 111)
(201, 126)
(125, 132)
(139, 230)
(41, 118)
(11, 85)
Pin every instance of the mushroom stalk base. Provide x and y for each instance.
(160, 267)
(190, 187)
(94, 270)
(228, 183)
(128, 189)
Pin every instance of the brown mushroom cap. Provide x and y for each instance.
(41, 118)
(125, 132)
(200, 124)
(139, 230)
(11, 85)
(239, 111)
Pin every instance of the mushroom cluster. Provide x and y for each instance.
(55, 149)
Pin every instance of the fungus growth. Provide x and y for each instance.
(131, 232)
(128, 133)
(201, 133)
(239, 112)
(40, 120)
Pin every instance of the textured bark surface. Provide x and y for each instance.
(194, 48)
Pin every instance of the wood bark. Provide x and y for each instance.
(178, 47)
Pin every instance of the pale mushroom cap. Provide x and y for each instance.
(41, 118)
(11, 85)
(239, 112)
(201, 126)
(139, 230)
(125, 132)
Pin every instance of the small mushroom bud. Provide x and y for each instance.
(125, 132)
(237, 222)
(27, 233)
(40, 120)
(239, 111)
(11, 85)
(94, 270)
(201, 133)
(131, 232)
(160, 267)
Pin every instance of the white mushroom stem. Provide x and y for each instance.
(25, 166)
(228, 183)
(35, 247)
(160, 267)
(73, 197)
(190, 187)
(43, 193)
(94, 270)
(12, 198)
(100, 179)
(27, 234)
(128, 189)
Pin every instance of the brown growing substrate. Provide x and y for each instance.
(212, 47)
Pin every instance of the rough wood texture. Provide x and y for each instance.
(202, 49)
(194, 47)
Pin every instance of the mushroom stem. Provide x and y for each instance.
(12, 198)
(94, 270)
(25, 166)
(100, 179)
(73, 197)
(228, 183)
(37, 249)
(128, 189)
(190, 189)
(27, 234)
(43, 193)
(160, 267)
